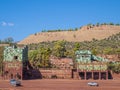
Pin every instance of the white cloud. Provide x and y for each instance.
(4, 24)
(7, 23)
(10, 24)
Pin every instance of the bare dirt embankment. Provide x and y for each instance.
(83, 34)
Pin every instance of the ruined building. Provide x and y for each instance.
(89, 66)
(15, 62)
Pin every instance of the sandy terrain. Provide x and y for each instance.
(61, 84)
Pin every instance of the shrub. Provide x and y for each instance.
(54, 76)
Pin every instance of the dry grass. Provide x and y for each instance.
(83, 34)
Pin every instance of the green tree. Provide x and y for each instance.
(114, 67)
(111, 23)
(94, 51)
(40, 58)
(98, 24)
(32, 55)
(76, 46)
(90, 24)
(76, 29)
(44, 54)
(59, 49)
(9, 40)
(108, 51)
(117, 24)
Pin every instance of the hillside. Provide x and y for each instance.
(86, 33)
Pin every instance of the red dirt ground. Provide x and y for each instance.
(61, 84)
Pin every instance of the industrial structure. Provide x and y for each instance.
(14, 62)
(90, 66)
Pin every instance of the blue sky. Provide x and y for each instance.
(20, 18)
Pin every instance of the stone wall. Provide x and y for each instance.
(12, 70)
(14, 61)
(62, 63)
(116, 76)
(54, 73)
(114, 57)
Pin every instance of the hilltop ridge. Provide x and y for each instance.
(86, 33)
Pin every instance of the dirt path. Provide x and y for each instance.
(61, 84)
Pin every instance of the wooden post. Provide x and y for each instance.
(21, 67)
(92, 74)
(77, 74)
(85, 75)
(106, 75)
(99, 75)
